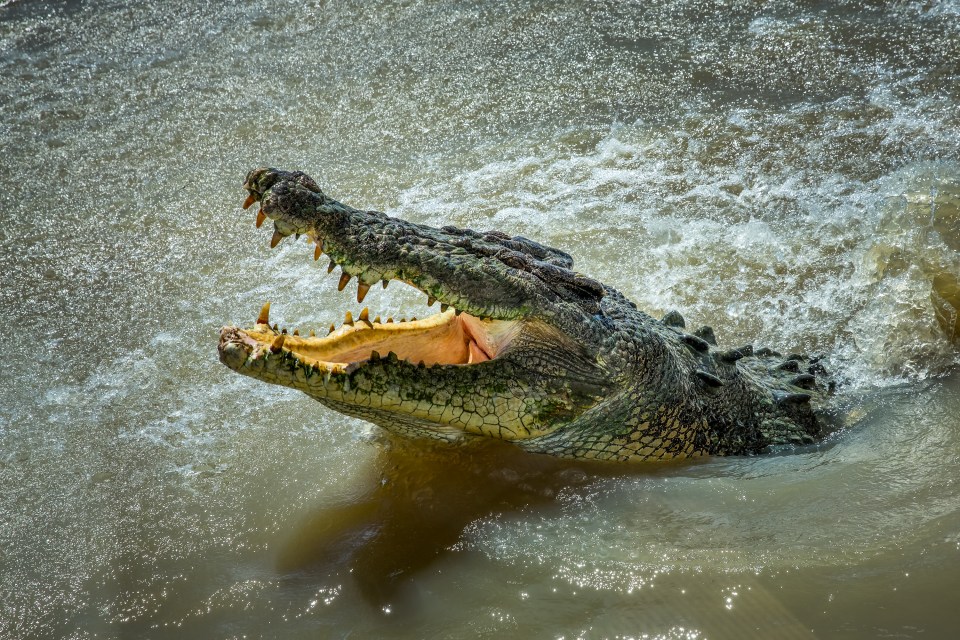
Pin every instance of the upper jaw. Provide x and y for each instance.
(488, 275)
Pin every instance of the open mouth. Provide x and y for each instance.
(450, 337)
(445, 338)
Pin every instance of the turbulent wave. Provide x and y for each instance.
(781, 252)
(785, 172)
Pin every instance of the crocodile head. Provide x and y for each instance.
(523, 348)
(499, 358)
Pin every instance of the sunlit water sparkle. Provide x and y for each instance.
(787, 174)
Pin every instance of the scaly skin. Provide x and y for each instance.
(530, 352)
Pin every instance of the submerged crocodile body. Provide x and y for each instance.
(524, 349)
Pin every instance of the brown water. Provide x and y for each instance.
(789, 174)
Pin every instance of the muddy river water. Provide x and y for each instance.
(788, 173)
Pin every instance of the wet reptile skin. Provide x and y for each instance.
(587, 375)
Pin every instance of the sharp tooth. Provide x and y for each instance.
(284, 332)
(331, 266)
(332, 329)
(362, 288)
(344, 279)
(389, 320)
(278, 343)
(348, 318)
(296, 332)
(249, 201)
(385, 283)
(377, 320)
(413, 319)
(430, 301)
(276, 327)
(261, 218)
(365, 315)
(317, 252)
(264, 317)
(374, 356)
(444, 307)
(296, 236)
(275, 240)
(313, 334)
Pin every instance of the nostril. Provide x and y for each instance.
(233, 351)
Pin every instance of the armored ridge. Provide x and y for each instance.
(523, 348)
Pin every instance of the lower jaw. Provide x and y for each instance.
(446, 338)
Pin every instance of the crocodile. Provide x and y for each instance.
(524, 349)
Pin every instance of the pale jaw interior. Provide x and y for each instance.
(443, 338)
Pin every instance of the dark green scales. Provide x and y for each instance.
(524, 349)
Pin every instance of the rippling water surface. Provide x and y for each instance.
(786, 172)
